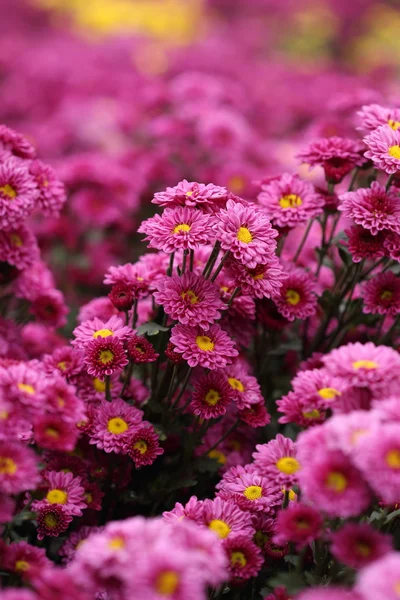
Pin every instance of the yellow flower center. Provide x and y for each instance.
(244, 235)
(103, 333)
(328, 393)
(395, 125)
(50, 521)
(363, 549)
(15, 240)
(22, 565)
(221, 528)
(218, 456)
(57, 496)
(98, 385)
(336, 481)
(189, 193)
(290, 201)
(212, 397)
(236, 384)
(117, 426)
(293, 297)
(205, 343)
(393, 459)
(181, 227)
(260, 538)
(106, 356)
(117, 543)
(386, 295)
(88, 499)
(394, 152)
(238, 559)
(365, 364)
(312, 414)
(167, 583)
(51, 432)
(7, 465)
(141, 446)
(237, 184)
(62, 365)
(8, 190)
(25, 387)
(292, 494)
(302, 524)
(4, 414)
(253, 492)
(190, 296)
(288, 465)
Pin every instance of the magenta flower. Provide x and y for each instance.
(392, 246)
(15, 143)
(18, 247)
(246, 231)
(141, 351)
(381, 294)
(105, 356)
(75, 539)
(381, 578)
(225, 518)
(18, 468)
(362, 243)
(297, 297)
(211, 396)
(373, 208)
(52, 432)
(372, 116)
(94, 329)
(277, 461)
(384, 148)
(144, 446)
(113, 425)
(245, 558)
(196, 195)
(65, 490)
(245, 389)
(52, 192)
(299, 524)
(192, 510)
(358, 544)
(264, 281)
(336, 155)
(23, 559)
(289, 201)
(52, 519)
(18, 193)
(211, 349)
(251, 491)
(255, 415)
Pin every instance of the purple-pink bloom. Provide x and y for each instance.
(384, 148)
(297, 298)
(381, 294)
(94, 329)
(373, 208)
(211, 349)
(336, 155)
(359, 544)
(113, 425)
(298, 523)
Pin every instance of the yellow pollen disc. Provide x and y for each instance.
(190, 296)
(117, 425)
(167, 583)
(218, 456)
(386, 295)
(22, 565)
(258, 276)
(395, 125)
(293, 297)
(181, 227)
(288, 465)
(236, 384)
(141, 446)
(212, 397)
(394, 152)
(224, 288)
(221, 528)
(365, 364)
(51, 432)
(235, 445)
(88, 498)
(98, 385)
(312, 414)
(302, 524)
(7, 466)
(103, 333)
(50, 521)
(8, 190)
(393, 459)
(116, 543)
(244, 235)
(260, 538)
(106, 356)
(205, 343)
(236, 184)
(238, 559)
(57, 496)
(363, 549)
(336, 481)
(4, 414)
(290, 201)
(62, 365)
(328, 393)
(15, 240)
(189, 193)
(25, 387)
(253, 492)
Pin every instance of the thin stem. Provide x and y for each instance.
(220, 266)
(323, 244)
(222, 438)
(303, 241)
(191, 264)
(183, 388)
(127, 379)
(353, 179)
(135, 313)
(235, 292)
(171, 264)
(281, 243)
(388, 335)
(108, 388)
(171, 384)
(185, 255)
(211, 260)
(389, 181)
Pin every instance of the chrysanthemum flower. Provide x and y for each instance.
(75, 540)
(18, 193)
(15, 143)
(381, 579)
(190, 299)
(122, 296)
(336, 155)
(96, 328)
(362, 243)
(196, 195)
(193, 510)
(211, 396)
(392, 246)
(277, 460)
(105, 356)
(297, 297)
(52, 191)
(246, 231)
(251, 491)
(65, 360)
(18, 468)
(289, 201)
(381, 294)
(144, 447)
(384, 148)
(224, 518)
(255, 415)
(211, 349)
(358, 544)
(141, 351)
(52, 520)
(264, 281)
(299, 524)
(52, 432)
(179, 228)
(22, 558)
(63, 489)
(372, 116)
(99, 308)
(245, 558)
(18, 247)
(245, 389)
(373, 208)
(113, 425)
(333, 592)
(49, 308)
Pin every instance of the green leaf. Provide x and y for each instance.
(293, 582)
(151, 328)
(345, 256)
(392, 515)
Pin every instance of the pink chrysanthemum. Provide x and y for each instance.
(264, 281)
(15, 143)
(18, 468)
(372, 116)
(190, 299)
(245, 559)
(297, 297)
(381, 579)
(52, 432)
(336, 155)
(144, 447)
(384, 148)
(245, 389)
(75, 540)
(358, 544)
(18, 193)
(373, 208)
(277, 461)
(211, 396)
(381, 294)
(255, 415)
(52, 520)
(23, 559)
(52, 192)
(225, 518)
(49, 308)
(105, 356)
(101, 308)
(392, 246)
(141, 351)
(122, 296)
(246, 231)
(193, 510)
(362, 243)
(329, 593)
(250, 491)
(113, 425)
(18, 247)
(65, 490)
(299, 524)
(66, 360)
(96, 328)
(177, 229)
(196, 195)
(135, 276)
(289, 201)
(211, 349)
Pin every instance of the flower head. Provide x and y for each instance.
(196, 195)
(18, 193)
(245, 559)
(250, 491)
(65, 490)
(299, 523)
(277, 460)
(113, 425)
(381, 579)
(224, 518)
(140, 350)
(263, 281)
(336, 155)
(372, 116)
(52, 192)
(24, 559)
(52, 520)
(211, 396)
(381, 294)
(211, 349)
(18, 247)
(362, 243)
(143, 447)
(358, 544)
(18, 468)
(95, 329)
(15, 143)
(297, 297)
(384, 148)
(373, 208)
(105, 356)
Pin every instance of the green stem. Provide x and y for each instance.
(235, 292)
(220, 266)
(222, 438)
(171, 264)
(211, 260)
(389, 181)
(185, 255)
(135, 313)
(353, 179)
(303, 241)
(191, 263)
(108, 388)
(183, 388)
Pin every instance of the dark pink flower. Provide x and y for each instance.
(244, 556)
(299, 524)
(381, 294)
(65, 490)
(52, 519)
(363, 244)
(211, 349)
(18, 193)
(373, 208)
(297, 297)
(113, 425)
(358, 544)
(211, 396)
(384, 148)
(52, 192)
(196, 195)
(141, 351)
(105, 356)
(144, 447)
(336, 155)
